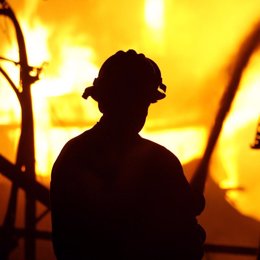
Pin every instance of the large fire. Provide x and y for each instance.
(192, 45)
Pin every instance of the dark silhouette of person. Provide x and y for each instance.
(114, 194)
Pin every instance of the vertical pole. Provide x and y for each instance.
(26, 145)
(25, 159)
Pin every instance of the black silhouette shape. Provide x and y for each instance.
(115, 195)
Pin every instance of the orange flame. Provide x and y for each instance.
(240, 162)
(191, 53)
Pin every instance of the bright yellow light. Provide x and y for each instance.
(74, 71)
(36, 39)
(239, 162)
(185, 45)
(187, 143)
(154, 13)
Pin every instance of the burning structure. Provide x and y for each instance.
(175, 34)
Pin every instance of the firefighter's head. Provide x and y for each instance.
(127, 84)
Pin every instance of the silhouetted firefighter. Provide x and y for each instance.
(115, 195)
(127, 196)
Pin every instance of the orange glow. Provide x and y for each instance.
(240, 162)
(193, 43)
(186, 143)
(68, 79)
